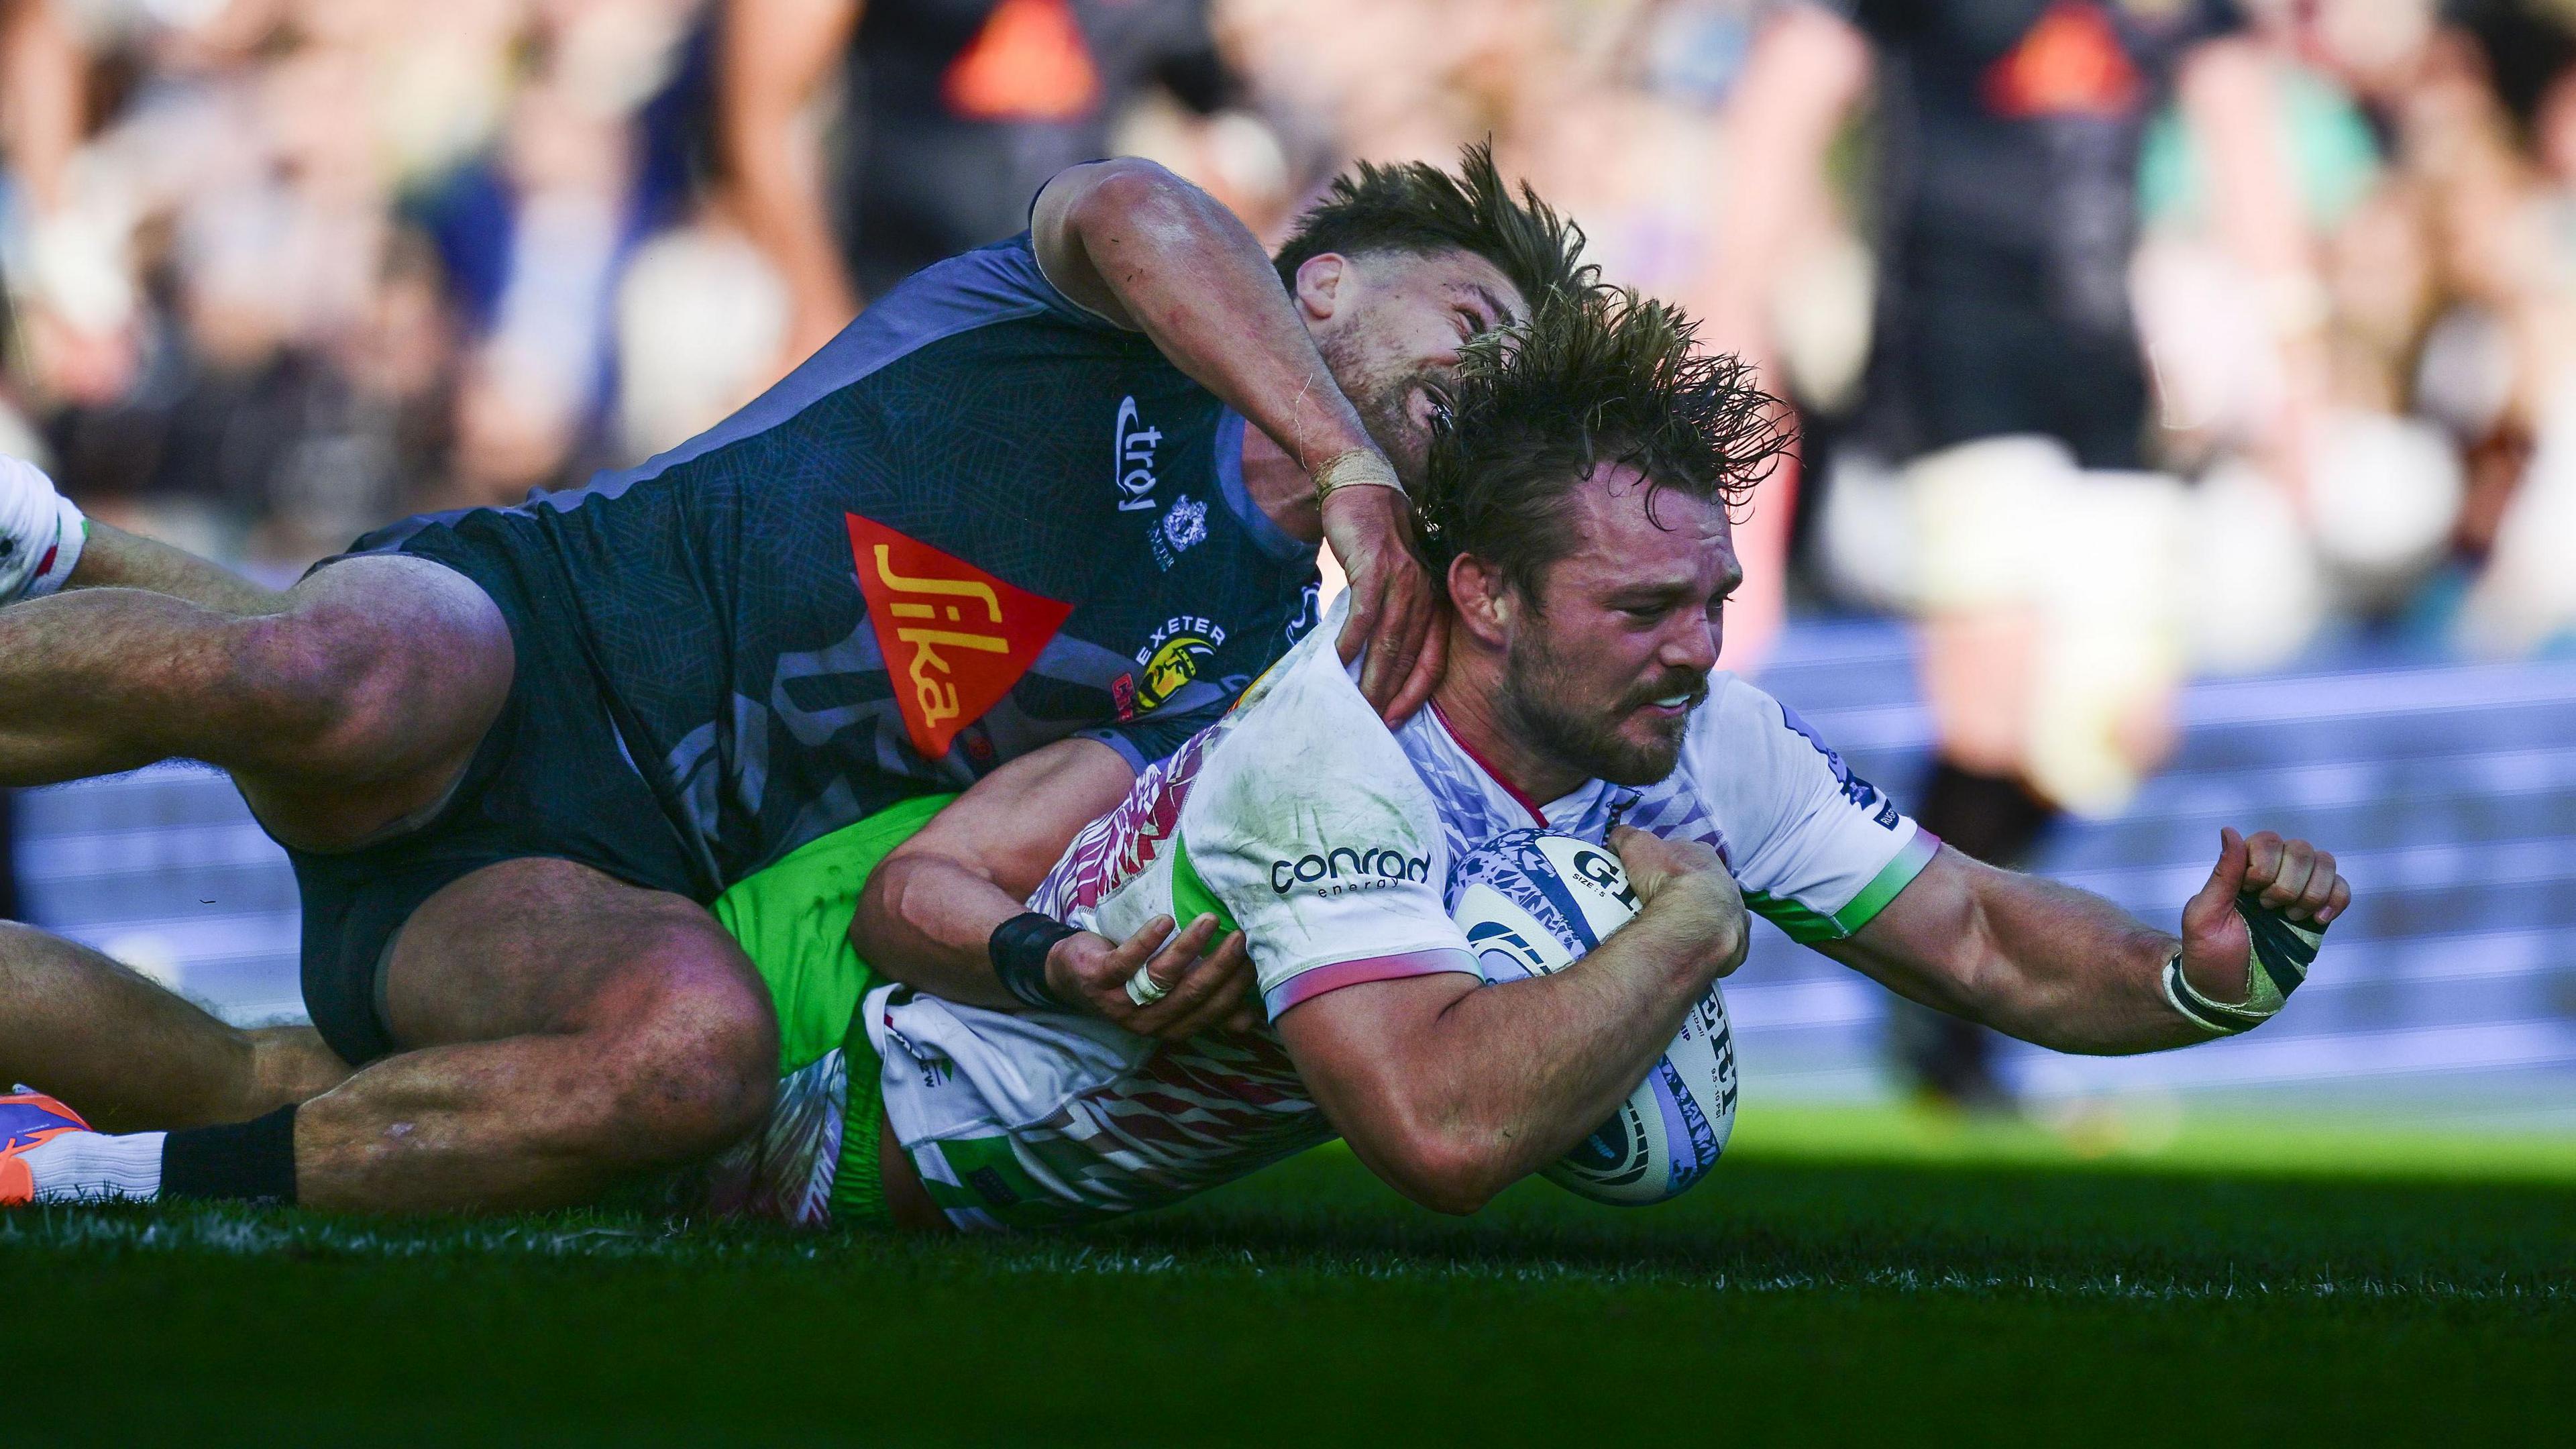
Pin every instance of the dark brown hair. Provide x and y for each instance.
(1595, 376)
(1417, 207)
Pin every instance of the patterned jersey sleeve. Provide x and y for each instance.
(1817, 850)
(1309, 830)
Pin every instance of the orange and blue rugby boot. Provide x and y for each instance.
(27, 1119)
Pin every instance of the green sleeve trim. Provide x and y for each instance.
(1191, 897)
(1801, 924)
(1893, 877)
(1808, 926)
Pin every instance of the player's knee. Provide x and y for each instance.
(694, 1079)
(311, 685)
(370, 680)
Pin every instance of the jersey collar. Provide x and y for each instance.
(1268, 536)
(1566, 806)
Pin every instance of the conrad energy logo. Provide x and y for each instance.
(1340, 870)
(955, 638)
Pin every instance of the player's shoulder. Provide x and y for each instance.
(997, 283)
(1302, 743)
(1747, 749)
(931, 318)
(1740, 729)
(1306, 701)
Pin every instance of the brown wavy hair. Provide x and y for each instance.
(1597, 375)
(1418, 208)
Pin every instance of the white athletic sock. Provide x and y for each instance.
(96, 1167)
(41, 533)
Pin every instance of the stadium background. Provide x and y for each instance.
(281, 269)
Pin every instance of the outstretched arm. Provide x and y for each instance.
(929, 911)
(1145, 249)
(1452, 1090)
(2070, 971)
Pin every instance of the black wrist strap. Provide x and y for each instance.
(1019, 949)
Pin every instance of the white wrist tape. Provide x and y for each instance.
(41, 533)
(1358, 468)
(2276, 963)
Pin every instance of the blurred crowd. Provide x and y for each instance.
(279, 270)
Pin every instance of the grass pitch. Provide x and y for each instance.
(1845, 1277)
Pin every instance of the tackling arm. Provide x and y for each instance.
(2070, 971)
(1145, 249)
(1452, 1090)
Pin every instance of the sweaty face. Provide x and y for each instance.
(1606, 664)
(1393, 340)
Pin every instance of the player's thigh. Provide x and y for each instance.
(542, 946)
(364, 700)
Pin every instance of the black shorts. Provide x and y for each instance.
(1952, 367)
(551, 779)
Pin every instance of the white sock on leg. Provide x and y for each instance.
(97, 1167)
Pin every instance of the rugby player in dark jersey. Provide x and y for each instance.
(1070, 484)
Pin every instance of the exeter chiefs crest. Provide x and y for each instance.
(1170, 660)
(1175, 664)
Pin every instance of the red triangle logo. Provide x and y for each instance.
(1028, 63)
(955, 638)
(2071, 63)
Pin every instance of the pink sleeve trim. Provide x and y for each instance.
(1315, 981)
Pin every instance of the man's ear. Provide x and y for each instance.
(1486, 603)
(1323, 281)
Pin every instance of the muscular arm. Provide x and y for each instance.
(774, 55)
(1452, 1091)
(1145, 249)
(2069, 970)
(931, 907)
(928, 913)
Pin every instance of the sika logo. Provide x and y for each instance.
(955, 638)
(1133, 454)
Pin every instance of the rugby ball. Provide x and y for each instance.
(1532, 902)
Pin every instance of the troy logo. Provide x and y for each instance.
(955, 638)
(1133, 449)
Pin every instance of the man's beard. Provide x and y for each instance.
(1379, 394)
(1535, 685)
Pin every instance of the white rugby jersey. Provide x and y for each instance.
(1327, 838)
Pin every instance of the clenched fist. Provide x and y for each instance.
(2260, 881)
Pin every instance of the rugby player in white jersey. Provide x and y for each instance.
(1577, 502)
(1028, 1067)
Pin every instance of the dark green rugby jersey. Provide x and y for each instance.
(1020, 459)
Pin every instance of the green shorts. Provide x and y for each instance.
(793, 920)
